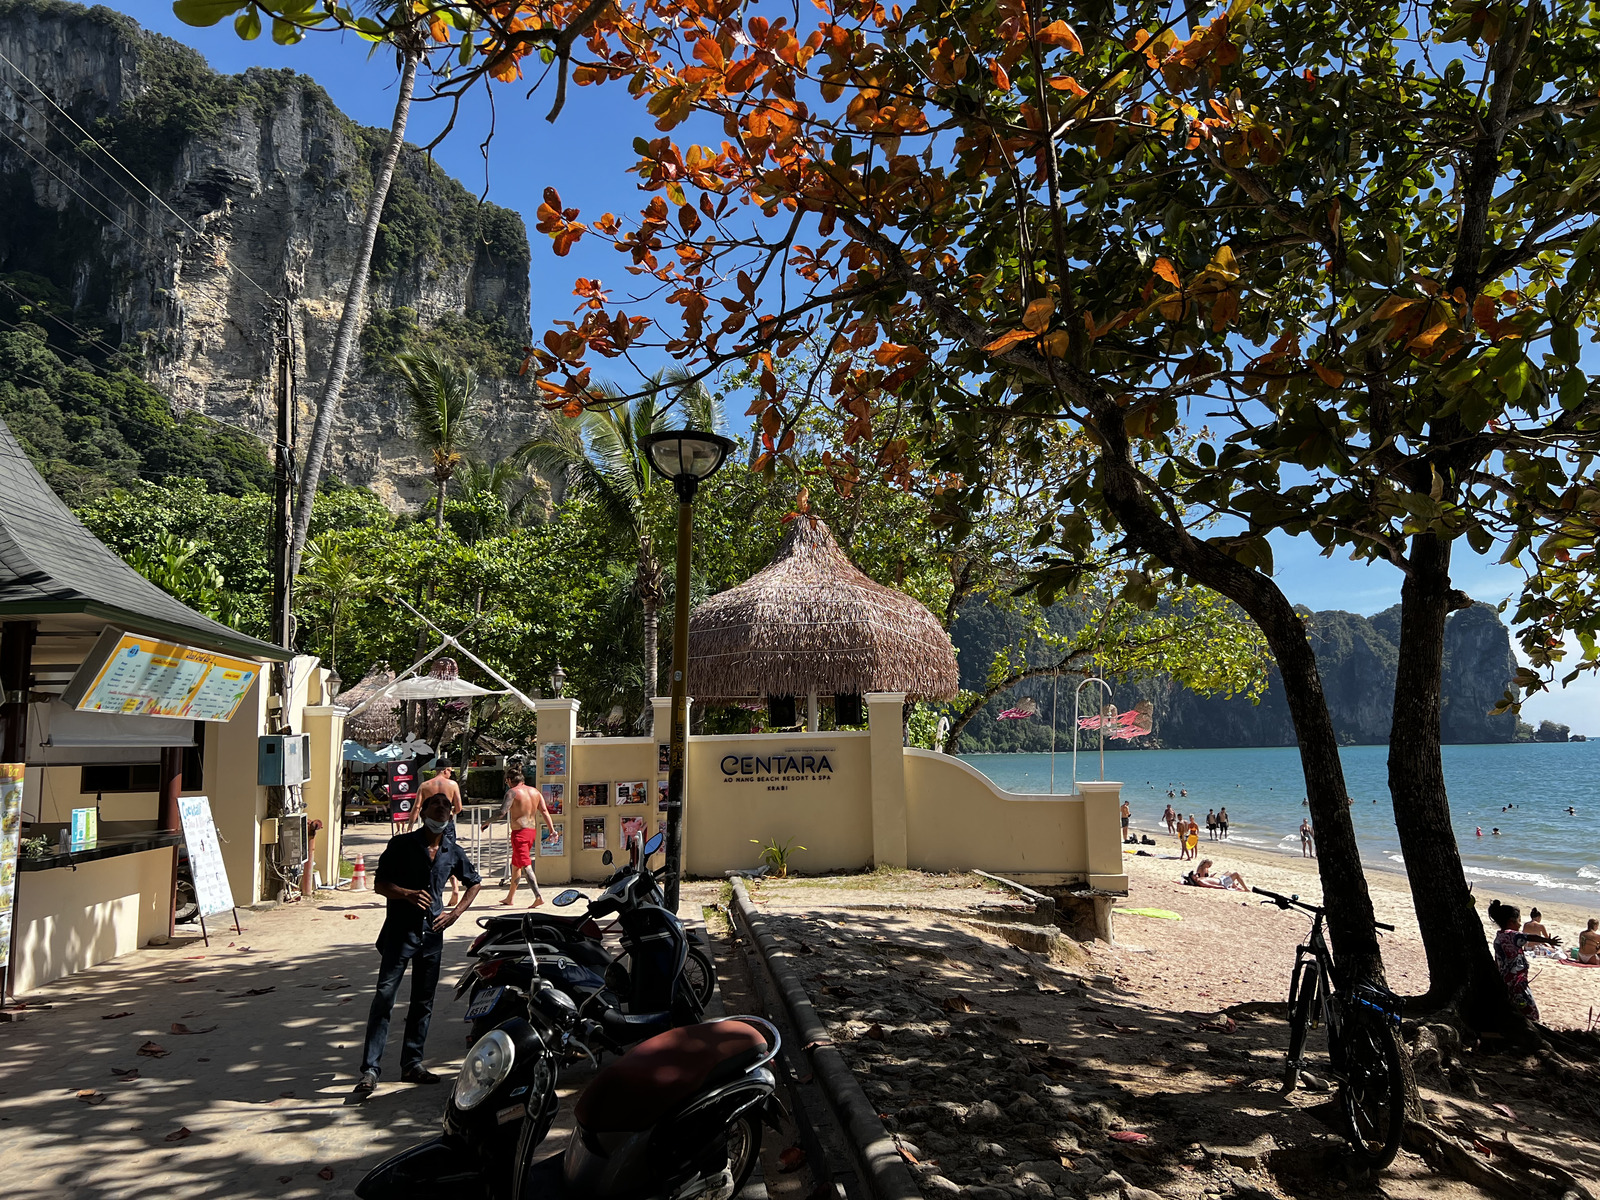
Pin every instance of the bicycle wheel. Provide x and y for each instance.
(1302, 995)
(1372, 1088)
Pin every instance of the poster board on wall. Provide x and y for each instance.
(553, 845)
(10, 837)
(211, 886)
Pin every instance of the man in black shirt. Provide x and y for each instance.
(411, 875)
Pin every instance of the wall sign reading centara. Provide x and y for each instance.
(140, 676)
(779, 766)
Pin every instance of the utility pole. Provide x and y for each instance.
(283, 483)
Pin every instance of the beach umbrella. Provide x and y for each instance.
(810, 624)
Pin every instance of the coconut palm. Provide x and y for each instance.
(339, 574)
(599, 456)
(509, 483)
(442, 398)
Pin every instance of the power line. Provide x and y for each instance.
(125, 168)
(112, 221)
(45, 145)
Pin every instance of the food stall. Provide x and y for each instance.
(116, 703)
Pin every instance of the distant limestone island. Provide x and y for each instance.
(1357, 657)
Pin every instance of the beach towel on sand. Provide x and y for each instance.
(1161, 914)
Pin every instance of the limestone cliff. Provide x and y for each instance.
(261, 185)
(1356, 657)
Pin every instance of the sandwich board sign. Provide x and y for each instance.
(211, 887)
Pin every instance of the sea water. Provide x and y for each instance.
(1540, 851)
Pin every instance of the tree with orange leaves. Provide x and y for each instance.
(1009, 214)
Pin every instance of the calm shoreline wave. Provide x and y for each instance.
(1522, 789)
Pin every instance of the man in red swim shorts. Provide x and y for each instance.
(524, 804)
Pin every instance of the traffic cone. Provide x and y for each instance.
(358, 877)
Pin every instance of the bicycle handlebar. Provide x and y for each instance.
(1285, 901)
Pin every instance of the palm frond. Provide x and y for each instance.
(441, 398)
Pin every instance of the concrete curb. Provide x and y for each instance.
(876, 1153)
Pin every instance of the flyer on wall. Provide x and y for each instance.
(630, 827)
(632, 793)
(663, 756)
(553, 845)
(661, 795)
(594, 795)
(594, 833)
(554, 793)
(555, 758)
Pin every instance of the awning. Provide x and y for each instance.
(50, 563)
(60, 736)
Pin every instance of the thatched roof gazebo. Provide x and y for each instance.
(378, 724)
(809, 624)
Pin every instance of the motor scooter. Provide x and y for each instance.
(678, 1117)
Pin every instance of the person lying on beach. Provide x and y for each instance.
(1589, 944)
(1202, 876)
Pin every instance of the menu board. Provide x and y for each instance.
(10, 835)
(140, 676)
(205, 855)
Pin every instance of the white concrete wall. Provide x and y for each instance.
(67, 920)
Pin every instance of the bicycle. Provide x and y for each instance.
(1363, 1021)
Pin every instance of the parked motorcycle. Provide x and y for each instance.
(572, 956)
(678, 1117)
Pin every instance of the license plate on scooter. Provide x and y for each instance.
(484, 1004)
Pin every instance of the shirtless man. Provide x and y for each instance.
(1126, 813)
(1171, 818)
(1589, 943)
(524, 805)
(443, 783)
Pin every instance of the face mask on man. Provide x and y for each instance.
(435, 826)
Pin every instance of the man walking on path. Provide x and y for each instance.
(443, 784)
(411, 875)
(524, 805)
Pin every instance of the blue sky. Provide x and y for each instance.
(585, 155)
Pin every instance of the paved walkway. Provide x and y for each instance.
(251, 1047)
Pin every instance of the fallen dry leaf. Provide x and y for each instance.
(1066, 1162)
(180, 1027)
(114, 1016)
(325, 1173)
(1127, 1135)
(907, 1155)
(90, 1096)
(791, 1160)
(152, 1050)
(255, 991)
(1505, 1110)
(285, 1178)
(187, 979)
(126, 1074)
(177, 1135)
(1227, 1026)
(955, 1004)
(352, 916)
(876, 1033)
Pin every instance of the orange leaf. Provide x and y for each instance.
(1056, 343)
(1036, 317)
(1066, 83)
(1328, 375)
(1424, 341)
(1167, 271)
(1059, 33)
(1395, 306)
(1007, 340)
(1000, 77)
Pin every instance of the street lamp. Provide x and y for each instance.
(332, 684)
(558, 679)
(685, 456)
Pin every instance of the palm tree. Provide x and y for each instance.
(443, 401)
(599, 456)
(339, 574)
(508, 481)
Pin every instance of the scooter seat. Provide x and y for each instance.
(514, 920)
(657, 1076)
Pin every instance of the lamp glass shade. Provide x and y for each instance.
(686, 453)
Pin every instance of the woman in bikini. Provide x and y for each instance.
(1231, 881)
(1589, 944)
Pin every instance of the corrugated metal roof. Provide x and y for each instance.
(51, 563)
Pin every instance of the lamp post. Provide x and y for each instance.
(332, 684)
(685, 456)
(558, 680)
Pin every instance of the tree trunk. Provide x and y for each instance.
(350, 320)
(1344, 882)
(438, 510)
(651, 624)
(1460, 967)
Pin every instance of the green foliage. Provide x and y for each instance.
(482, 342)
(775, 854)
(89, 428)
(179, 567)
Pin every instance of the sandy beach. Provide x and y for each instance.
(1228, 948)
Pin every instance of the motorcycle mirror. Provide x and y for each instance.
(570, 896)
(606, 858)
(653, 845)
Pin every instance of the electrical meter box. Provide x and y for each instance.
(283, 759)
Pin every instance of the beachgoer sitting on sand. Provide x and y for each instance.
(1509, 944)
(1535, 926)
(1589, 944)
(1202, 876)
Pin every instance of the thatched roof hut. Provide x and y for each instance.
(809, 622)
(379, 724)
